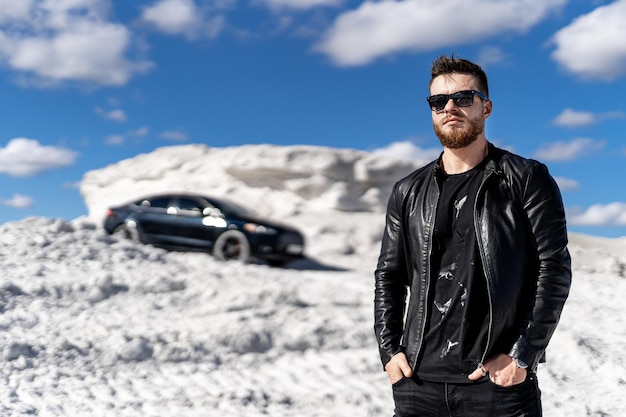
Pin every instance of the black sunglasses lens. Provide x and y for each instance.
(438, 102)
(463, 98)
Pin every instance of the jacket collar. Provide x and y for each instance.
(491, 166)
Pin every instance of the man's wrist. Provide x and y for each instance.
(520, 363)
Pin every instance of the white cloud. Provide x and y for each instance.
(301, 4)
(567, 184)
(72, 185)
(573, 118)
(11, 10)
(611, 115)
(567, 151)
(117, 115)
(612, 214)
(174, 135)
(593, 46)
(490, 55)
(57, 41)
(182, 17)
(407, 149)
(114, 139)
(377, 29)
(18, 201)
(24, 157)
(140, 132)
(119, 139)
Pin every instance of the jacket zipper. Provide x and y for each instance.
(486, 270)
(430, 248)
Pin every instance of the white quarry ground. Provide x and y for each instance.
(97, 326)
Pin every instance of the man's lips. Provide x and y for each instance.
(452, 120)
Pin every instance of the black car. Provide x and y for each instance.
(193, 222)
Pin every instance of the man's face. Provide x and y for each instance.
(457, 127)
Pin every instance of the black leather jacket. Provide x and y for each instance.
(522, 240)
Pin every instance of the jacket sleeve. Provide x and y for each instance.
(544, 207)
(391, 283)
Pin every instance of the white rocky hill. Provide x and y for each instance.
(337, 197)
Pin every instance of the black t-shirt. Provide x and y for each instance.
(458, 319)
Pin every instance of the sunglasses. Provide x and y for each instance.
(463, 98)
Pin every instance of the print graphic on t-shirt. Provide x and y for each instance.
(447, 348)
(448, 272)
(458, 205)
(464, 295)
(443, 308)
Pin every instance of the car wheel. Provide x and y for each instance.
(126, 233)
(232, 245)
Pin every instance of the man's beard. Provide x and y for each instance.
(458, 137)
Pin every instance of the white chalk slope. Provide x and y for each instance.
(95, 326)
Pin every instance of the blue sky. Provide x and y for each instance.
(86, 83)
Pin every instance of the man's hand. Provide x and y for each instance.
(398, 367)
(502, 371)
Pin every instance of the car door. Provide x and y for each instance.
(154, 221)
(196, 225)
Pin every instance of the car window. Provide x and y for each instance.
(189, 204)
(160, 202)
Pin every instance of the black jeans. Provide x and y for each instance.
(415, 398)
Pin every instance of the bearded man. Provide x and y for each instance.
(474, 268)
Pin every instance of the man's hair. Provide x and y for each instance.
(446, 66)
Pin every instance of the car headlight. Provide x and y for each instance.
(259, 228)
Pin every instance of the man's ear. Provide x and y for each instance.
(487, 109)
